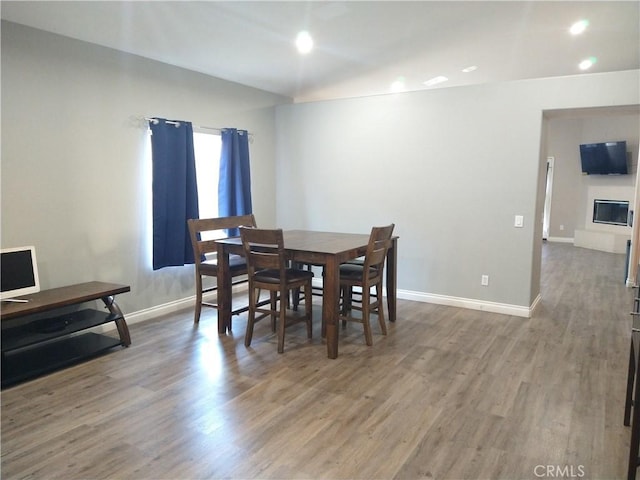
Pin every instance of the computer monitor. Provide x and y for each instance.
(18, 272)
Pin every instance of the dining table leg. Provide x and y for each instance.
(392, 279)
(223, 290)
(331, 305)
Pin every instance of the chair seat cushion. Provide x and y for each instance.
(273, 276)
(356, 261)
(352, 270)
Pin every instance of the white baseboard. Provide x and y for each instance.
(534, 305)
(158, 310)
(469, 303)
(170, 307)
(149, 313)
(472, 304)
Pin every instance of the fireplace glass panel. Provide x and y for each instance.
(612, 212)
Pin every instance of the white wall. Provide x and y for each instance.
(74, 180)
(451, 167)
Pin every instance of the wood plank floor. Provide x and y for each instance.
(449, 393)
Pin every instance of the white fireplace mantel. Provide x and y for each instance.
(604, 237)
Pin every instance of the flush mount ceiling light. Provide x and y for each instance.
(587, 63)
(469, 69)
(435, 81)
(579, 27)
(304, 42)
(397, 86)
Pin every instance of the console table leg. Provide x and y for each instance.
(631, 375)
(121, 325)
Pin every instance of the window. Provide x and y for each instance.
(207, 152)
(207, 147)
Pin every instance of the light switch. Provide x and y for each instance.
(519, 222)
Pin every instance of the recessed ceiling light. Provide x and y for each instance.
(469, 69)
(435, 80)
(304, 42)
(398, 85)
(587, 63)
(579, 27)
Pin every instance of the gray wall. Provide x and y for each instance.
(451, 167)
(74, 180)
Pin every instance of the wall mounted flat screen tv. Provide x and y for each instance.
(18, 272)
(609, 158)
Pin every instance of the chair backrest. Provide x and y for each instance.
(263, 249)
(199, 225)
(379, 243)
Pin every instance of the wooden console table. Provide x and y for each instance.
(37, 335)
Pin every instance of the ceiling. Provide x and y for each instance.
(361, 47)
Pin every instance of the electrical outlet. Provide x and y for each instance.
(484, 280)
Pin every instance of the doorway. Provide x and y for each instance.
(584, 124)
(546, 216)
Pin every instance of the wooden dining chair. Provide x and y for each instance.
(366, 276)
(204, 232)
(267, 266)
(356, 294)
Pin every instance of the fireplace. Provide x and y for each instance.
(610, 212)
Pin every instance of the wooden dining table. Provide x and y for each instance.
(328, 249)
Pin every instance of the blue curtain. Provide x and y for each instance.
(234, 187)
(175, 191)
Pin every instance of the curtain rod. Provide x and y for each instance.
(215, 129)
